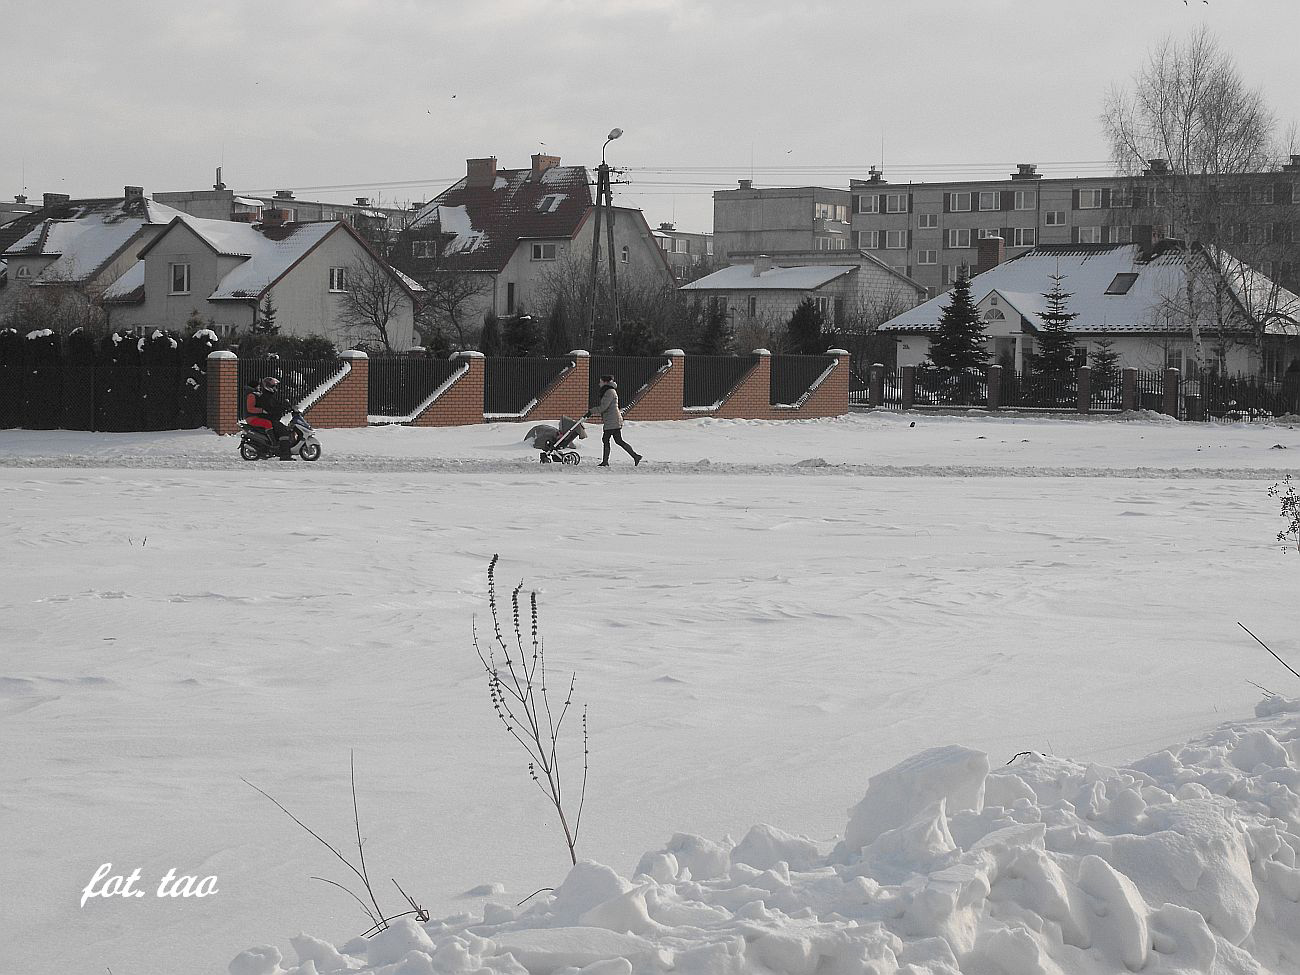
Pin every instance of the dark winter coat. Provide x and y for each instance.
(608, 409)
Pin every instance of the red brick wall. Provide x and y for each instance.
(567, 396)
(663, 398)
(345, 404)
(750, 399)
(223, 392)
(461, 404)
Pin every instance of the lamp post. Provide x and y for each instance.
(605, 200)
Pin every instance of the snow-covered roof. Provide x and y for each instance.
(1114, 288)
(127, 289)
(741, 277)
(83, 243)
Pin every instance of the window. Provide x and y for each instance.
(1121, 235)
(868, 203)
(928, 257)
(928, 221)
(989, 200)
(708, 247)
(752, 306)
(549, 202)
(822, 243)
(895, 202)
(681, 245)
(180, 279)
(1121, 283)
(839, 243)
(1259, 234)
(1089, 235)
(1055, 218)
(543, 252)
(1022, 237)
(896, 239)
(1121, 196)
(984, 232)
(625, 254)
(510, 298)
(717, 305)
(823, 211)
(665, 245)
(338, 279)
(959, 237)
(424, 249)
(24, 272)
(1262, 193)
(868, 240)
(222, 330)
(826, 306)
(958, 202)
(995, 315)
(1026, 199)
(841, 213)
(1089, 199)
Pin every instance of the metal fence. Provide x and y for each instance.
(633, 374)
(1106, 392)
(399, 384)
(708, 379)
(1238, 399)
(1150, 390)
(511, 385)
(942, 387)
(1039, 391)
(105, 398)
(298, 377)
(793, 376)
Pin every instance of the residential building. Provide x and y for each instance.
(225, 271)
(511, 233)
(932, 230)
(77, 246)
(687, 253)
(799, 218)
(19, 207)
(1135, 295)
(851, 289)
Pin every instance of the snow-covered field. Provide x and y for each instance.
(756, 637)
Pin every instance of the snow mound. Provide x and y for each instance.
(1184, 862)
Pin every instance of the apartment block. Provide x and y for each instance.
(802, 218)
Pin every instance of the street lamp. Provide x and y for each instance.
(613, 134)
(605, 198)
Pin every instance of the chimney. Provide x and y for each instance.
(54, 199)
(665, 226)
(1157, 167)
(20, 198)
(1026, 171)
(132, 194)
(284, 194)
(271, 217)
(218, 185)
(762, 264)
(363, 201)
(542, 163)
(992, 251)
(746, 184)
(480, 174)
(1293, 165)
(876, 175)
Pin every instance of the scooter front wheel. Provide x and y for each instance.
(248, 451)
(309, 451)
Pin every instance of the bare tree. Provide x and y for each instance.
(374, 296)
(452, 302)
(1203, 145)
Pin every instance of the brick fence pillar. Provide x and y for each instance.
(568, 395)
(462, 402)
(1169, 397)
(995, 387)
(876, 385)
(831, 398)
(907, 378)
(751, 398)
(344, 405)
(223, 392)
(665, 397)
(1128, 389)
(1084, 399)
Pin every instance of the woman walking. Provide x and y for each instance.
(612, 417)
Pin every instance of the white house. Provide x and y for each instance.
(1153, 302)
(225, 271)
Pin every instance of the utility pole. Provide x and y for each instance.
(604, 201)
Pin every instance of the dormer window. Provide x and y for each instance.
(23, 272)
(550, 202)
(1122, 283)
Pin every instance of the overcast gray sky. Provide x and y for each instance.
(336, 100)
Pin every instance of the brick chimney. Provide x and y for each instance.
(542, 163)
(284, 194)
(762, 264)
(132, 194)
(20, 198)
(363, 201)
(1026, 171)
(1157, 167)
(272, 217)
(665, 226)
(54, 199)
(991, 252)
(480, 174)
(875, 175)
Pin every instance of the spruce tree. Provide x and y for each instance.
(522, 336)
(1105, 365)
(558, 341)
(264, 323)
(489, 340)
(959, 343)
(717, 336)
(805, 329)
(1055, 355)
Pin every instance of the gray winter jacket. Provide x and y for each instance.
(608, 408)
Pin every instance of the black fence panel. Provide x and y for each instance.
(1106, 393)
(793, 376)
(708, 379)
(42, 397)
(632, 373)
(77, 390)
(1238, 399)
(11, 394)
(511, 384)
(1039, 391)
(159, 404)
(298, 377)
(943, 387)
(1150, 390)
(399, 384)
(118, 405)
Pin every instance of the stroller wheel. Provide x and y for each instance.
(572, 457)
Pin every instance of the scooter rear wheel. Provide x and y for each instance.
(248, 451)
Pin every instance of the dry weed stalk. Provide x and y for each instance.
(517, 688)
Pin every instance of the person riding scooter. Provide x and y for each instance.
(265, 407)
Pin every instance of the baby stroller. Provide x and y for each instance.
(556, 444)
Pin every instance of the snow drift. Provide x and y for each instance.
(1183, 862)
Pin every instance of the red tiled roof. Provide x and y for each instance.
(485, 224)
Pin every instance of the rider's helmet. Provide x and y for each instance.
(270, 384)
